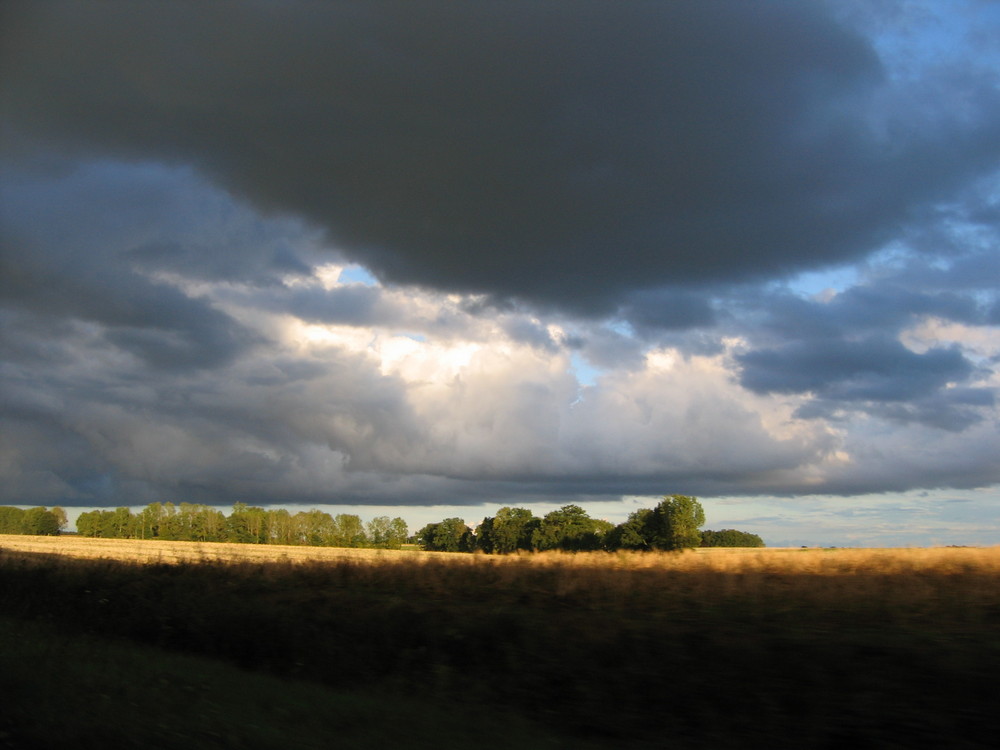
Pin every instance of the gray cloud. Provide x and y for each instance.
(68, 247)
(620, 193)
(556, 152)
(871, 370)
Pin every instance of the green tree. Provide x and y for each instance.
(730, 538)
(569, 528)
(316, 528)
(39, 521)
(61, 518)
(386, 533)
(117, 524)
(449, 535)
(398, 531)
(378, 531)
(11, 520)
(148, 521)
(675, 523)
(485, 541)
(631, 534)
(89, 523)
(247, 525)
(350, 531)
(282, 527)
(513, 529)
(171, 526)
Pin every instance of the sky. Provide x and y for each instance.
(431, 259)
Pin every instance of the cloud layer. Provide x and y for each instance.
(514, 149)
(594, 233)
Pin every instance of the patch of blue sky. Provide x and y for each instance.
(623, 327)
(812, 283)
(410, 335)
(357, 275)
(586, 374)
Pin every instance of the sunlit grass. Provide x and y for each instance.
(708, 648)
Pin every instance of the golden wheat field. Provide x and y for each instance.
(156, 551)
(741, 561)
(853, 647)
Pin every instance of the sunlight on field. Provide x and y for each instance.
(155, 551)
(833, 640)
(739, 561)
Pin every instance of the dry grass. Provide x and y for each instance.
(896, 647)
(733, 561)
(157, 551)
(904, 582)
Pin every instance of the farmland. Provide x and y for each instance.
(712, 648)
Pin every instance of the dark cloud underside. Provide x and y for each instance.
(618, 199)
(557, 152)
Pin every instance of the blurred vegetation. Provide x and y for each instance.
(71, 691)
(730, 538)
(715, 648)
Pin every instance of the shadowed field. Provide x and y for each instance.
(714, 648)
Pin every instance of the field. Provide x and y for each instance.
(155, 551)
(712, 648)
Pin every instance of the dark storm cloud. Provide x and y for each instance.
(621, 193)
(877, 374)
(875, 369)
(952, 409)
(559, 152)
(888, 305)
(68, 247)
(665, 309)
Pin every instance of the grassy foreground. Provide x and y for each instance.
(812, 648)
(71, 691)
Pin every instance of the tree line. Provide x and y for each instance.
(674, 524)
(190, 522)
(39, 521)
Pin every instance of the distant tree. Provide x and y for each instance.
(632, 533)
(315, 528)
(11, 520)
(89, 524)
(61, 517)
(41, 521)
(675, 522)
(515, 529)
(350, 531)
(378, 531)
(212, 523)
(246, 524)
(485, 542)
(672, 525)
(730, 538)
(386, 533)
(449, 535)
(147, 521)
(118, 524)
(510, 530)
(569, 528)
(398, 532)
(172, 525)
(281, 527)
